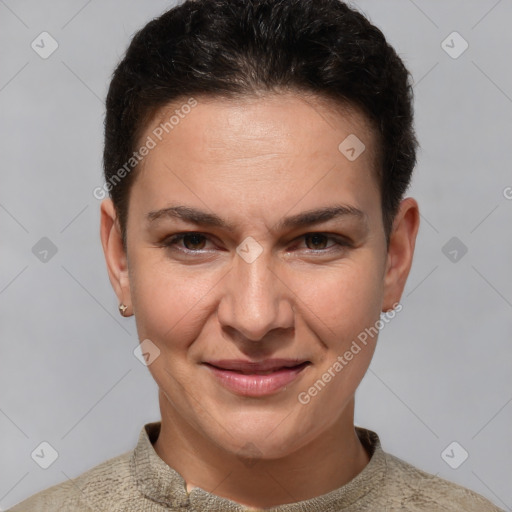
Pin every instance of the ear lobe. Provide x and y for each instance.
(115, 256)
(400, 252)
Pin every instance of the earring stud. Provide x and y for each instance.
(122, 308)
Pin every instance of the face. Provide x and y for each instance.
(254, 237)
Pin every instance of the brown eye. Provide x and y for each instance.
(318, 240)
(193, 242)
(186, 242)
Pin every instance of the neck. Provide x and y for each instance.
(328, 462)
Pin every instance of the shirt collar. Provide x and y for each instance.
(162, 484)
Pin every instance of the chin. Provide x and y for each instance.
(273, 436)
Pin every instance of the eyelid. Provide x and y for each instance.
(340, 241)
(172, 240)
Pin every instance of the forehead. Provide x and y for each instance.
(247, 122)
(276, 148)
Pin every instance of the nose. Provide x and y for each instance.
(256, 299)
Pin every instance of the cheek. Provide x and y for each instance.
(344, 299)
(172, 301)
(169, 301)
(342, 304)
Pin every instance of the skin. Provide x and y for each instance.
(253, 162)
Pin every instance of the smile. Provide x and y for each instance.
(256, 382)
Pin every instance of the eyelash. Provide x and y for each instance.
(172, 241)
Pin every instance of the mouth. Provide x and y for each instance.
(256, 379)
(258, 368)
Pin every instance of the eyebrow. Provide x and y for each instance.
(307, 218)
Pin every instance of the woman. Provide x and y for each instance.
(257, 154)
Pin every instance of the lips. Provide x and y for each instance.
(265, 367)
(257, 379)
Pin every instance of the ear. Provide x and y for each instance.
(115, 256)
(400, 252)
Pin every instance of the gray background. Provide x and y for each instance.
(442, 369)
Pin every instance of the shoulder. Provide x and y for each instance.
(415, 490)
(109, 483)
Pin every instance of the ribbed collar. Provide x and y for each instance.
(162, 484)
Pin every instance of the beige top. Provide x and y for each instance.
(140, 480)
